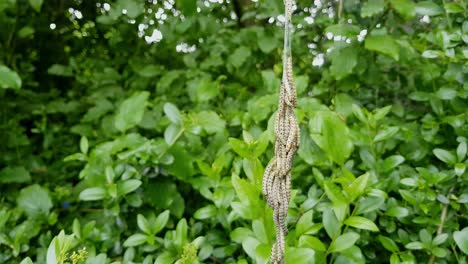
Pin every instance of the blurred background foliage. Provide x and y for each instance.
(138, 131)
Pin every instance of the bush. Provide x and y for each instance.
(138, 132)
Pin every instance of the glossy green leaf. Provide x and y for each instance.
(406, 8)
(173, 113)
(17, 174)
(414, 245)
(9, 78)
(361, 223)
(93, 194)
(172, 133)
(239, 56)
(461, 151)
(384, 44)
(428, 8)
(312, 242)
(128, 186)
(188, 7)
(445, 156)
(331, 133)
(143, 224)
(210, 121)
(372, 7)
(34, 200)
(388, 243)
(461, 239)
(343, 242)
(392, 162)
(343, 62)
(36, 4)
(135, 240)
(161, 222)
(331, 224)
(300, 255)
(130, 112)
(206, 212)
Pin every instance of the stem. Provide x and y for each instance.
(340, 9)
(443, 217)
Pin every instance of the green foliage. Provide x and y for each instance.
(122, 147)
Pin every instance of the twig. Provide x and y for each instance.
(443, 217)
(340, 9)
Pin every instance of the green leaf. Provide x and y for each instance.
(239, 56)
(439, 239)
(343, 62)
(461, 151)
(461, 239)
(397, 211)
(445, 156)
(173, 113)
(249, 245)
(357, 187)
(149, 71)
(432, 54)
(110, 174)
(84, 145)
(206, 212)
(240, 234)
(93, 194)
(188, 7)
(331, 224)
(143, 224)
(460, 168)
(160, 223)
(181, 233)
(454, 8)
(133, 7)
(446, 93)
(369, 204)
(131, 111)
(361, 223)
(392, 162)
(386, 133)
(206, 90)
(384, 44)
(300, 255)
(128, 186)
(209, 121)
(240, 147)
(60, 70)
(428, 8)
(267, 43)
(372, 8)
(388, 243)
(304, 223)
(17, 174)
(135, 240)
(172, 133)
(333, 136)
(9, 78)
(343, 242)
(414, 245)
(334, 193)
(404, 8)
(343, 29)
(26, 261)
(35, 201)
(36, 4)
(311, 242)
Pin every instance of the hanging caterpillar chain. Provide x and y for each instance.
(277, 177)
